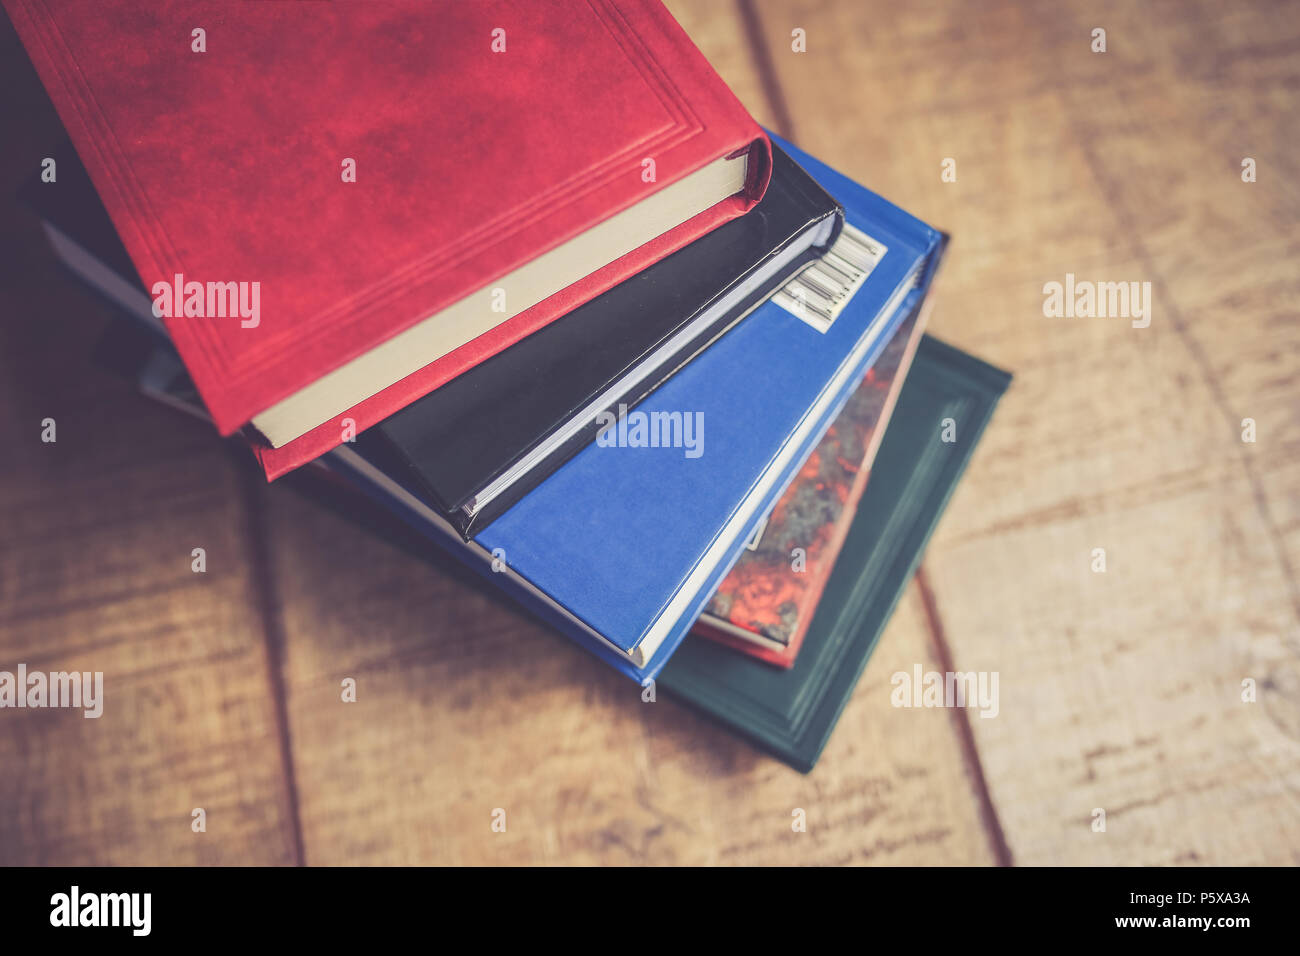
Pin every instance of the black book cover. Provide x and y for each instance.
(454, 443)
(71, 204)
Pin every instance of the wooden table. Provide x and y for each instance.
(1119, 690)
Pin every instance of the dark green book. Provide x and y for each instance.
(792, 712)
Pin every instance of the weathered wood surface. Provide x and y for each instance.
(1119, 690)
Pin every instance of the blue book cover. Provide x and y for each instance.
(631, 540)
(622, 547)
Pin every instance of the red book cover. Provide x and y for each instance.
(765, 604)
(353, 170)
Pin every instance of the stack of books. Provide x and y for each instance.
(532, 280)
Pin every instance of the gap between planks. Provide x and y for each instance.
(784, 123)
(261, 568)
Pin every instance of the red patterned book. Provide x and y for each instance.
(765, 604)
(339, 207)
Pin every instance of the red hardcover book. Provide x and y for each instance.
(765, 604)
(339, 207)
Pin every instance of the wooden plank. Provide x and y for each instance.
(1119, 690)
(95, 575)
(465, 705)
(96, 532)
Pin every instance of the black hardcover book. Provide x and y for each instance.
(84, 237)
(478, 444)
(475, 446)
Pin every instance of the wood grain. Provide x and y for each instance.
(96, 534)
(465, 705)
(1119, 690)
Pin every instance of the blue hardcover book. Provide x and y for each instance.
(622, 547)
